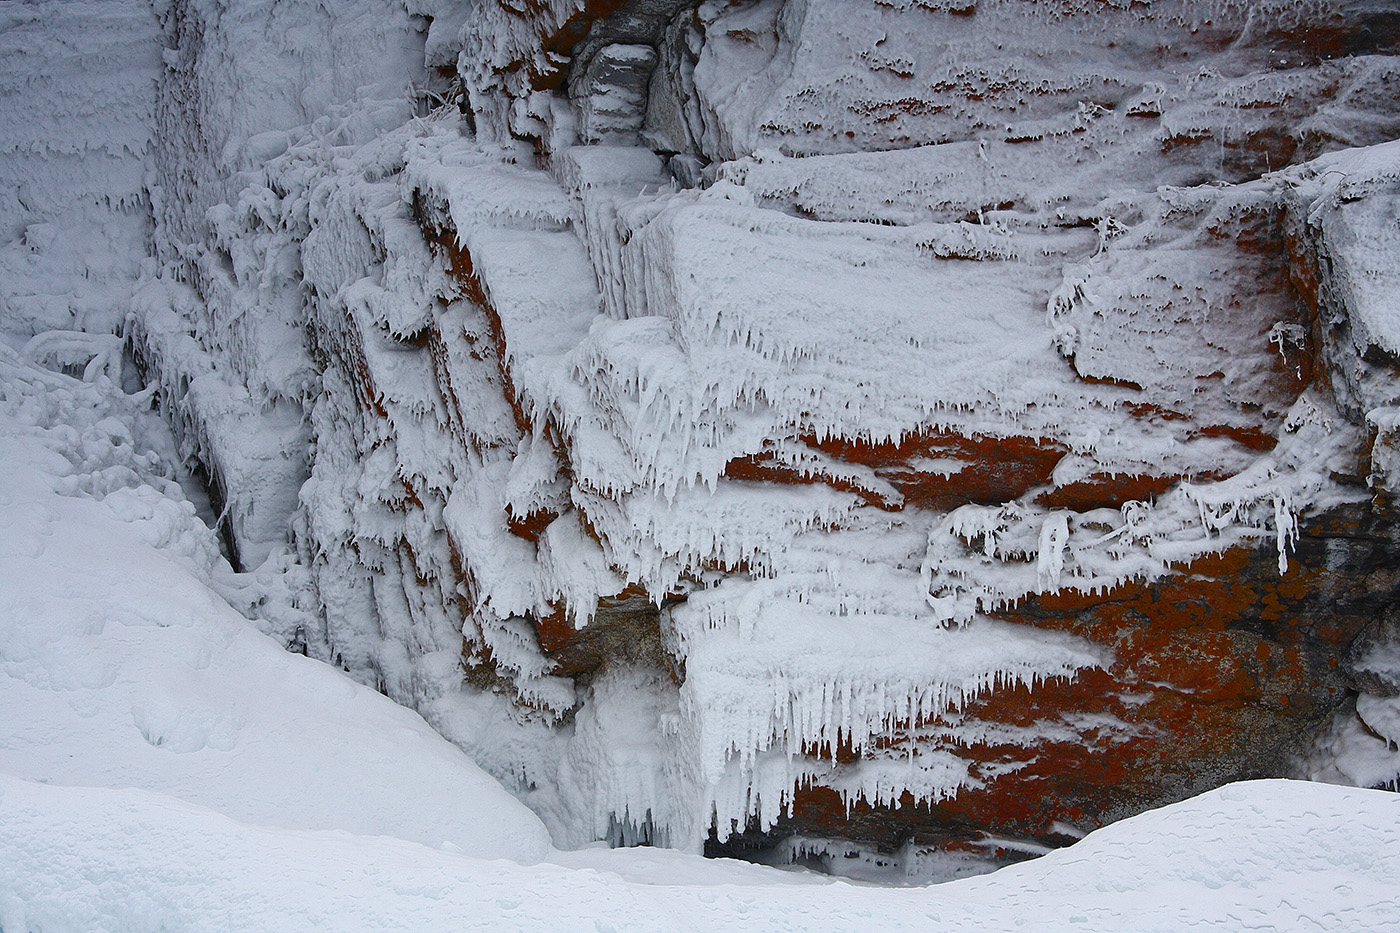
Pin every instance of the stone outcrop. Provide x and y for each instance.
(1226, 672)
(739, 422)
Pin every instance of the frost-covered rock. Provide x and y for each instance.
(1079, 380)
(78, 85)
(802, 416)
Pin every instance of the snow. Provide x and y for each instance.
(123, 667)
(242, 79)
(77, 96)
(1253, 856)
(1349, 752)
(1352, 199)
(1382, 715)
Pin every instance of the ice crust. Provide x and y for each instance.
(644, 338)
(700, 347)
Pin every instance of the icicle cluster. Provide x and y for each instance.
(981, 558)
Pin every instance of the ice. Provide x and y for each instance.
(611, 93)
(814, 80)
(253, 448)
(646, 338)
(611, 783)
(610, 374)
(774, 665)
(1382, 716)
(1050, 555)
(575, 568)
(979, 557)
(1350, 752)
(1349, 200)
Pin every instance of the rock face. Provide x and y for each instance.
(1224, 671)
(761, 423)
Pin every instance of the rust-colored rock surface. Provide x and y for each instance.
(796, 420)
(1224, 671)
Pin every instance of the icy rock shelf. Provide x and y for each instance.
(667, 426)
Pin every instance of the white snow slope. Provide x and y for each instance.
(120, 667)
(1267, 855)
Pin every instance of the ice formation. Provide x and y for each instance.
(665, 400)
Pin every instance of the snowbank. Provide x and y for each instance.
(1259, 855)
(120, 666)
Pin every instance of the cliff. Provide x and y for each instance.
(896, 428)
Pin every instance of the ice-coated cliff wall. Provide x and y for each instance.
(79, 94)
(924, 423)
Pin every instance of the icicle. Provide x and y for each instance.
(1286, 529)
(1050, 560)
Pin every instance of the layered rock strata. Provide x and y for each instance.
(815, 419)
